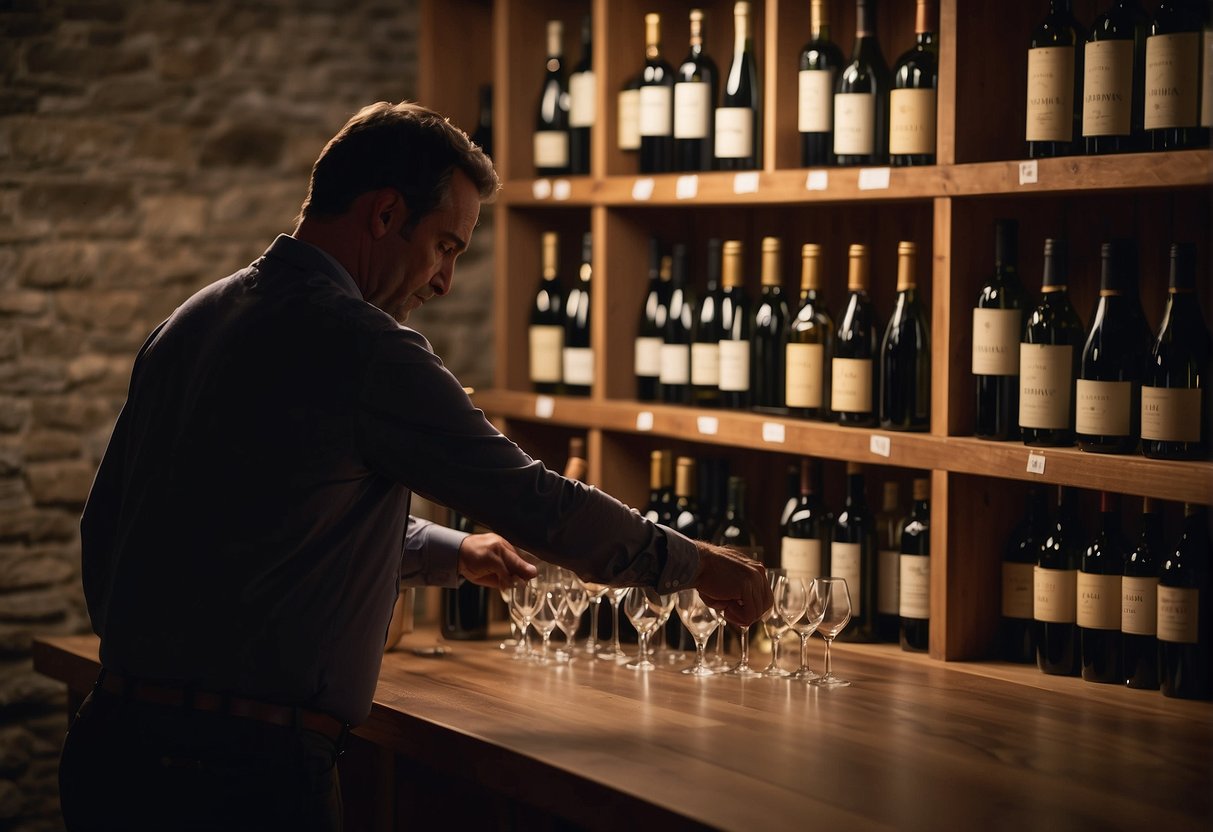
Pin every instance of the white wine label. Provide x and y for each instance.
(1103, 408)
(888, 581)
(1099, 599)
(1017, 590)
(582, 99)
(578, 366)
(1107, 88)
(1170, 414)
(629, 120)
(734, 132)
(648, 357)
(1206, 80)
(1050, 94)
(675, 364)
(1055, 595)
(851, 385)
(705, 365)
(816, 106)
(1044, 385)
(692, 109)
(1178, 614)
(915, 586)
(996, 341)
(1173, 80)
(801, 558)
(735, 366)
(912, 121)
(547, 343)
(845, 563)
(854, 123)
(551, 149)
(1139, 606)
(803, 385)
(656, 111)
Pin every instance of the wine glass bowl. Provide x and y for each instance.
(700, 621)
(644, 608)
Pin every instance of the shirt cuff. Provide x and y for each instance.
(681, 563)
(431, 556)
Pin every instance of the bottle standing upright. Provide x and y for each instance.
(739, 116)
(915, 583)
(583, 102)
(997, 330)
(853, 558)
(1100, 595)
(1139, 604)
(769, 336)
(551, 137)
(694, 104)
(913, 97)
(545, 334)
(820, 62)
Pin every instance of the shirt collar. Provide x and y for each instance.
(310, 257)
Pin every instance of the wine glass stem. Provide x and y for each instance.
(616, 646)
(594, 624)
(774, 652)
(829, 667)
(804, 653)
(644, 646)
(745, 646)
(720, 644)
(701, 647)
(547, 636)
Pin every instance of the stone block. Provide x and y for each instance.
(100, 374)
(14, 495)
(46, 445)
(59, 264)
(93, 207)
(173, 217)
(107, 11)
(10, 343)
(244, 145)
(25, 302)
(26, 570)
(189, 59)
(38, 525)
(12, 458)
(63, 60)
(41, 141)
(95, 309)
(60, 483)
(74, 412)
(58, 340)
(33, 605)
(20, 684)
(14, 413)
(257, 211)
(164, 147)
(33, 375)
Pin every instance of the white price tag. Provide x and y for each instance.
(562, 189)
(873, 179)
(746, 183)
(1027, 172)
(644, 420)
(687, 187)
(1036, 463)
(773, 432)
(817, 180)
(880, 445)
(545, 406)
(708, 425)
(642, 189)
(541, 188)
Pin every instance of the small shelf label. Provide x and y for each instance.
(562, 189)
(774, 432)
(1036, 463)
(545, 406)
(642, 189)
(708, 425)
(880, 445)
(746, 183)
(1027, 172)
(644, 420)
(873, 179)
(687, 187)
(541, 188)
(817, 180)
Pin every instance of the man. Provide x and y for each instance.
(248, 528)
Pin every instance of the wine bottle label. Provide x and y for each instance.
(705, 365)
(1050, 94)
(1017, 590)
(579, 366)
(1139, 606)
(1107, 88)
(648, 357)
(854, 123)
(1044, 385)
(912, 121)
(1055, 595)
(888, 581)
(629, 120)
(547, 342)
(656, 111)
(1103, 408)
(582, 99)
(845, 563)
(816, 109)
(1099, 598)
(1170, 414)
(551, 149)
(734, 132)
(851, 385)
(801, 558)
(996, 341)
(805, 363)
(1206, 80)
(692, 109)
(1178, 614)
(735, 366)
(675, 363)
(915, 586)
(1173, 80)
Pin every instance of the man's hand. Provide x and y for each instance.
(490, 560)
(732, 583)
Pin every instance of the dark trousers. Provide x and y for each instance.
(129, 765)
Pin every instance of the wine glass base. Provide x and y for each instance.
(641, 665)
(744, 671)
(776, 673)
(832, 681)
(613, 656)
(807, 676)
(698, 670)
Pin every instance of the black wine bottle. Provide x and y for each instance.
(1172, 84)
(1113, 92)
(686, 515)
(805, 546)
(1049, 358)
(705, 347)
(735, 530)
(660, 508)
(546, 330)
(820, 62)
(464, 610)
(810, 344)
(578, 365)
(1055, 591)
(739, 116)
(861, 97)
(482, 136)
(905, 354)
(915, 584)
(583, 102)
(853, 556)
(675, 379)
(1185, 612)
(735, 323)
(1054, 74)
(1100, 595)
(1017, 633)
(854, 375)
(997, 329)
(912, 99)
(551, 138)
(694, 104)
(650, 334)
(1139, 602)
(656, 103)
(890, 520)
(769, 336)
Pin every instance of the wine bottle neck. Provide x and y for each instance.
(772, 277)
(741, 28)
(819, 23)
(857, 275)
(652, 37)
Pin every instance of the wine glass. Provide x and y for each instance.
(787, 604)
(615, 652)
(805, 625)
(742, 668)
(570, 601)
(514, 642)
(836, 612)
(644, 609)
(524, 598)
(700, 620)
(594, 593)
(719, 662)
(544, 620)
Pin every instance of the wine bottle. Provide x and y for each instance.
(482, 136)
(627, 135)
(1172, 85)
(1055, 591)
(1206, 82)
(804, 549)
(889, 523)
(675, 379)
(1113, 93)
(1017, 634)
(810, 344)
(578, 369)
(912, 99)
(694, 101)
(1108, 392)
(651, 332)
(546, 331)
(769, 338)
(861, 97)
(705, 348)
(713, 491)
(1099, 597)
(1175, 384)
(739, 116)
(686, 516)
(735, 323)
(551, 139)
(660, 508)
(915, 584)
(905, 354)
(853, 377)
(464, 610)
(820, 61)
(583, 102)
(792, 477)
(735, 530)
(852, 557)
(656, 103)
(1185, 613)
(1139, 602)
(1049, 358)
(1054, 72)
(997, 329)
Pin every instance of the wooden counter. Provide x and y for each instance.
(914, 744)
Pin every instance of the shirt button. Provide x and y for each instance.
(674, 583)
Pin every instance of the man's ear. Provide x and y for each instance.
(388, 212)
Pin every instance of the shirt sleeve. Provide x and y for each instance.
(431, 554)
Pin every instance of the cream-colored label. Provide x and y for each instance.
(805, 363)
(845, 563)
(1055, 595)
(1173, 80)
(1103, 408)
(996, 341)
(888, 581)
(1107, 89)
(1170, 414)
(582, 99)
(1206, 80)
(801, 558)
(854, 123)
(1050, 94)
(912, 121)
(705, 365)
(816, 101)
(1044, 385)
(1099, 598)
(551, 149)
(656, 111)
(734, 132)
(915, 586)
(547, 343)
(735, 366)
(629, 120)
(1139, 606)
(648, 357)
(675, 364)
(851, 385)
(579, 366)
(1017, 590)
(692, 109)
(1178, 614)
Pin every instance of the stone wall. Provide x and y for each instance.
(147, 148)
